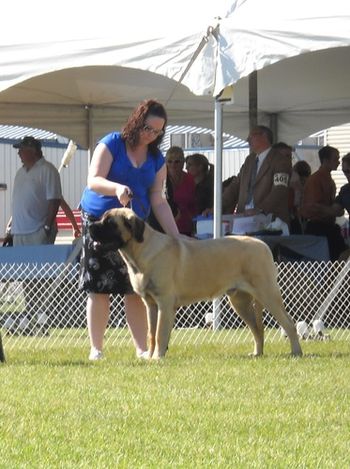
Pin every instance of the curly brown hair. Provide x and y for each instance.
(302, 168)
(136, 123)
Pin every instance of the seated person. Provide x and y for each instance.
(263, 180)
(301, 171)
(183, 189)
(284, 149)
(319, 207)
(169, 195)
(228, 181)
(203, 173)
(343, 198)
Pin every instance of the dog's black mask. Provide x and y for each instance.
(106, 235)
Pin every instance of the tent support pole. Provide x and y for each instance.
(90, 138)
(218, 168)
(217, 193)
(253, 100)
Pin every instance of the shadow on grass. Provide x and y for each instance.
(178, 355)
(49, 363)
(338, 355)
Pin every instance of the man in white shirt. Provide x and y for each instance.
(36, 197)
(35, 201)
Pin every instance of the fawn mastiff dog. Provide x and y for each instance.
(168, 273)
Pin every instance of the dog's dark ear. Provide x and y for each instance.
(138, 229)
(136, 226)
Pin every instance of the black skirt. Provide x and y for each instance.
(101, 271)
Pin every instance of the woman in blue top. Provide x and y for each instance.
(127, 168)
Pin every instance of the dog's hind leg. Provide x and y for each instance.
(242, 302)
(274, 304)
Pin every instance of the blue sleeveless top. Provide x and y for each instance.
(139, 180)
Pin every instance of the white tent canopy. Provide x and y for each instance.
(82, 68)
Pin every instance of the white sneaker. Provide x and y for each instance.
(143, 355)
(95, 354)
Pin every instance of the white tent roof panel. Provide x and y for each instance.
(83, 71)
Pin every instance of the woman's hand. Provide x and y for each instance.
(207, 212)
(124, 194)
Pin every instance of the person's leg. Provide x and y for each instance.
(336, 243)
(320, 229)
(136, 317)
(35, 290)
(97, 312)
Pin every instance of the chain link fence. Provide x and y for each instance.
(43, 307)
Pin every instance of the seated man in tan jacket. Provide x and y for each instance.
(263, 180)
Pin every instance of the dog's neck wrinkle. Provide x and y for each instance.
(131, 249)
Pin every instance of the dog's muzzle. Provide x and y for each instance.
(102, 241)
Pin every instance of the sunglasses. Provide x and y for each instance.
(147, 128)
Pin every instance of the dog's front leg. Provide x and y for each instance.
(152, 317)
(166, 317)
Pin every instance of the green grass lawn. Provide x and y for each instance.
(203, 406)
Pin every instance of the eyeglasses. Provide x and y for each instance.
(174, 161)
(151, 130)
